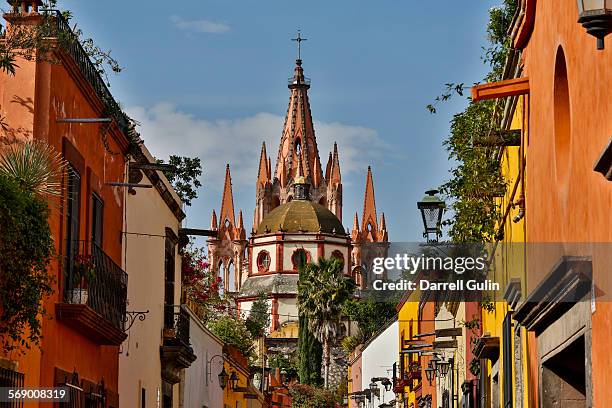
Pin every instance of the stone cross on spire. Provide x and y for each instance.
(299, 40)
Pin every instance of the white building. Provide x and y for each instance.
(201, 387)
(377, 359)
(157, 349)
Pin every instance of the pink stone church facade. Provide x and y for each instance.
(289, 225)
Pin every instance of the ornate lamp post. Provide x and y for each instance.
(432, 208)
(374, 389)
(223, 376)
(434, 362)
(596, 18)
(430, 373)
(443, 367)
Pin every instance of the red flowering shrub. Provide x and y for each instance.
(200, 284)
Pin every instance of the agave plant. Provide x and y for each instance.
(35, 165)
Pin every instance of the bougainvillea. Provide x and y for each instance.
(201, 285)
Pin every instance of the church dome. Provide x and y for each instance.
(301, 216)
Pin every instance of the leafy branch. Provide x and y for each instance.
(449, 90)
(185, 176)
(476, 178)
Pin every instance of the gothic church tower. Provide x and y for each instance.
(236, 259)
(298, 143)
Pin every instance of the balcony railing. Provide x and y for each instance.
(301, 81)
(92, 74)
(176, 351)
(105, 292)
(176, 325)
(11, 379)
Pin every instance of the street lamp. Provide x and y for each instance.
(434, 362)
(223, 378)
(430, 373)
(233, 381)
(596, 18)
(432, 208)
(443, 367)
(374, 388)
(387, 384)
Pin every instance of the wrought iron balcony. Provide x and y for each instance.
(95, 293)
(74, 48)
(176, 325)
(176, 351)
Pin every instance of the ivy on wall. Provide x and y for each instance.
(476, 179)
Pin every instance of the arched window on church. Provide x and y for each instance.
(231, 278)
(275, 202)
(323, 201)
(263, 261)
(298, 146)
(299, 258)
(221, 274)
(338, 255)
(227, 223)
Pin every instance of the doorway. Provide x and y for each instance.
(564, 377)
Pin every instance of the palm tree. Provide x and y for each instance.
(35, 165)
(322, 290)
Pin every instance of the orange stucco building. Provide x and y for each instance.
(570, 122)
(565, 303)
(81, 333)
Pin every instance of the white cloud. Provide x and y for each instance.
(200, 26)
(167, 131)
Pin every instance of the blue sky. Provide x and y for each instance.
(208, 78)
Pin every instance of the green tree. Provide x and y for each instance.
(232, 331)
(310, 355)
(259, 317)
(369, 314)
(184, 176)
(27, 248)
(476, 179)
(322, 290)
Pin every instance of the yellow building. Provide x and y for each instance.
(501, 348)
(239, 391)
(410, 376)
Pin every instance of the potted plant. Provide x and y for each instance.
(83, 272)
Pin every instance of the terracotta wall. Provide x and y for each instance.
(31, 101)
(569, 127)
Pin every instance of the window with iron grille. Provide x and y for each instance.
(97, 219)
(75, 399)
(73, 209)
(13, 379)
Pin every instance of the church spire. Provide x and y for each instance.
(335, 177)
(227, 204)
(264, 175)
(298, 137)
(328, 167)
(241, 231)
(383, 234)
(369, 221)
(355, 231)
(213, 221)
